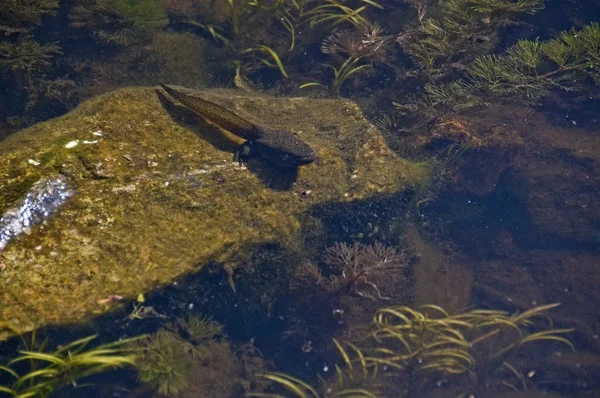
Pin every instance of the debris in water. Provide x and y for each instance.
(72, 144)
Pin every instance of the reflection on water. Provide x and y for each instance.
(43, 198)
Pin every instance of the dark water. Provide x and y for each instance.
(507, 219)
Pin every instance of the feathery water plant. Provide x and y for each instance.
(120, 22)
(167, 357)
(27, 56)
(528, 71)
(17, 16)
(464, 30)
(51, 371)
(165, 362)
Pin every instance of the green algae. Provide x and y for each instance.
(156, 199)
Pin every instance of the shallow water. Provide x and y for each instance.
(458, 168)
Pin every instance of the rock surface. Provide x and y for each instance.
(154, 195)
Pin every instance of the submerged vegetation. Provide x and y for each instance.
(528, 71)
(119, 22)
(354, 269)
(167, 357)
(412, 351)
(37, 372)
(440, 58)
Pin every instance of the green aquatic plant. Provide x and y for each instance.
(336, 12)
(530, 69)
(253, 58)
(355, 379)
(27, 56)
(526, 72)
(164, 362)
(463, 30)
(18, 16)
(349, 68)
(412, 349)
(167, 358)
(197, 329)
(478, 342)
(119, 22)
(51, 371)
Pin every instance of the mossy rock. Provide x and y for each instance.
(155, 198)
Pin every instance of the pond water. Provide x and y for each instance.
(299, 198)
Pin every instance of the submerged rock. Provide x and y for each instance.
(152, 198)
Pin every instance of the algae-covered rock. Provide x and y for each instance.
(152, 198)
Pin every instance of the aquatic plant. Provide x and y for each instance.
(252, 57)
(355, 380)
(26, 57)
(412, 349)
(197, 329)
(336, 12)
(478, 342)
(464, 30)
(64, 367)
(167, 358)
(365, 42)
(349, 68)
(164, 362)
(18, 16)
(354, 268)
(567, 62)
(120, 22)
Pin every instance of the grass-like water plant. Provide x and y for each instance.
(413, 349)
(336, 12)
(38, 373)
(253, 57)
(349, 68)
(355, 380)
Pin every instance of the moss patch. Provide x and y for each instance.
(156, 198)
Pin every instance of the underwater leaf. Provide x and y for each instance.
(312, 84)
(27, 355)
(549, 335)
(46, 372)
(291, 383)
(9, 370)
(536, 311)
(9, 391)
(526, 52)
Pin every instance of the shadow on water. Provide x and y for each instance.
(276, 178)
